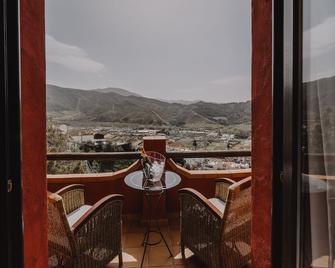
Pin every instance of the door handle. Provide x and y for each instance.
(9, 185)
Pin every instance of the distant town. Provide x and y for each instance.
(120, 139)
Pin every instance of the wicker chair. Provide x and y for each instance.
(89, 239)
(217, 230)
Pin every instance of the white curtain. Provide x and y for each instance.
(326, 103)
(319, 123)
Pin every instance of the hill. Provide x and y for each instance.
(68, 104)
(120, 91)
(316, 93)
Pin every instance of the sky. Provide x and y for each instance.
(318, 39)
(164, 49)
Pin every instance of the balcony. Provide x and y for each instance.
(135, 208)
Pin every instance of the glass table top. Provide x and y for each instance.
(137, 181)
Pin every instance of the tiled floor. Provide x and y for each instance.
(158, 255)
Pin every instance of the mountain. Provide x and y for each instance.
(319, 93)
(68, 104)
(186, 102)
(120, 91)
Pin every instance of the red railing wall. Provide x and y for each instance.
(99, 185)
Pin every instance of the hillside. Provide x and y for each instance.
(120, 91)
(320, 92)
(67, 104)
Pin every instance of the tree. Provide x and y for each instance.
(57, 141)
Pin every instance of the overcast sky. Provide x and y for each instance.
(319, 39)
(167, 49)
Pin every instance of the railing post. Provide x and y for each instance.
(157, 144)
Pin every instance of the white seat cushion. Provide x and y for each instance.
(218, 203)
(75, 215)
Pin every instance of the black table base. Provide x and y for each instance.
(149, 196)
(152, 190)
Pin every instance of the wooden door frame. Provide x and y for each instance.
(11, 232)
(33, 131)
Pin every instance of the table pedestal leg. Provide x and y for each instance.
(149, 229)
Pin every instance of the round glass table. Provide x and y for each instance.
(137, 181)
(153, 192)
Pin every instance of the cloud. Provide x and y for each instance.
(71, 57)
(320, 39)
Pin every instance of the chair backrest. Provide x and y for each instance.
(236, 232)
(237, 214)
(222, 189)
(61, 242)
(73, 197)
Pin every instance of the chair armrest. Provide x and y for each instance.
(197, 196)
(98, 231)
(114, 201)
(222, 188)
(225, 180)
(73, 197)
(242, 184)
(200, 225)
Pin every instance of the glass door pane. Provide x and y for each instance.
(318, 134)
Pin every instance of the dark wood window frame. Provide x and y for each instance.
(11, 232)
(287, 28)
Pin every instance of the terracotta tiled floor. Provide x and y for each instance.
(156, 256)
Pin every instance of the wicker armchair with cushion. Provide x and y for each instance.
(74, 202)
(217, 230)
(80, 235)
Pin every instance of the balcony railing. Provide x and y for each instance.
(101, 184)
(136, 155)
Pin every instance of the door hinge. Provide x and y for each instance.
(9, 185)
